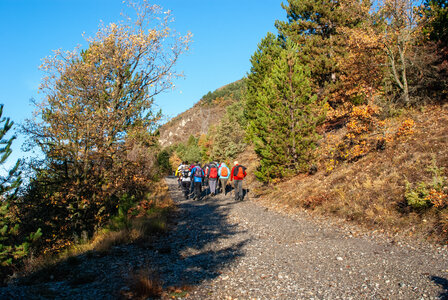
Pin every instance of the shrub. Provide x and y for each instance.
(425, 195)
(417, 197)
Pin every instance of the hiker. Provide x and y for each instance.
(190, 168)
(238, 173)
(224, 174)
(212, 177)
(178, 174)
(197, 175)
(206, 169)
(186, 179)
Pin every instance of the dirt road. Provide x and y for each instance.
(220, 249)
(227, 250)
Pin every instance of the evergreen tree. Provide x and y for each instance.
(262, 60)
(287, 114)
(230, 134)
(13, 246)
(436, 12)
(314, 26)
(163, 161)
(189, 151)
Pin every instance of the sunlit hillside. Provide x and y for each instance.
(197, 120)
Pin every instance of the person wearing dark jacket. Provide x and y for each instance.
(186, 180)
(197, 175)
(237, 174)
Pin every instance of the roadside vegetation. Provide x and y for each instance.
(96, 182)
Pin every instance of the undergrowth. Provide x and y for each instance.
(139, 222)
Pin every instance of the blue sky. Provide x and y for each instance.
(225, 35)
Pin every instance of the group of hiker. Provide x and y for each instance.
(213, 176)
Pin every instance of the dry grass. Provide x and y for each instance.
(370, 191)
(142, 229)
(102, 243)
(144, 284)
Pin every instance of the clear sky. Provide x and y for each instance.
(225, 35)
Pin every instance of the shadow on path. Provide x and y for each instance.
(199, 246)
(443, 283)
(201, 243)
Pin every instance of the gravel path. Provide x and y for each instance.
(221, 249)
(230, 250)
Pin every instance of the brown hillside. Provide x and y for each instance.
(195, 121)
(205, 113)
(371, 190)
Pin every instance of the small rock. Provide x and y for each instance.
(339, 258)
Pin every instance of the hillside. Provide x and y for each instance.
(373, 190)
(207, 112)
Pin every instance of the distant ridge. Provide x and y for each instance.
(197, 120)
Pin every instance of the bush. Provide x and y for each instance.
(417, 197)
(425, 195)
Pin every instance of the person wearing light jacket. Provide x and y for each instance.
(224, 174)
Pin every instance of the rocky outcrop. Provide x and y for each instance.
(204, 114)
(195, 121)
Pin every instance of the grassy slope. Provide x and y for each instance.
(371, 191)
(205, 113)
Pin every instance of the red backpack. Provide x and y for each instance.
(239, 171)
(213, 172)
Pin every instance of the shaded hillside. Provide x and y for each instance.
(205, 113)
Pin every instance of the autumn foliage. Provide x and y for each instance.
(373, 69)
(96, 126)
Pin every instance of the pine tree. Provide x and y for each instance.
(262, 60)
(436, 12)
(287, 113)
(13, 246)
(314, 27)
(229, 138)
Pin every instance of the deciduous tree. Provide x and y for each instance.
(401, 20)
(95, 122)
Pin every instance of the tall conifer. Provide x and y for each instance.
(13, 245)
(314, 26)
(287, 113)
(267, 52)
